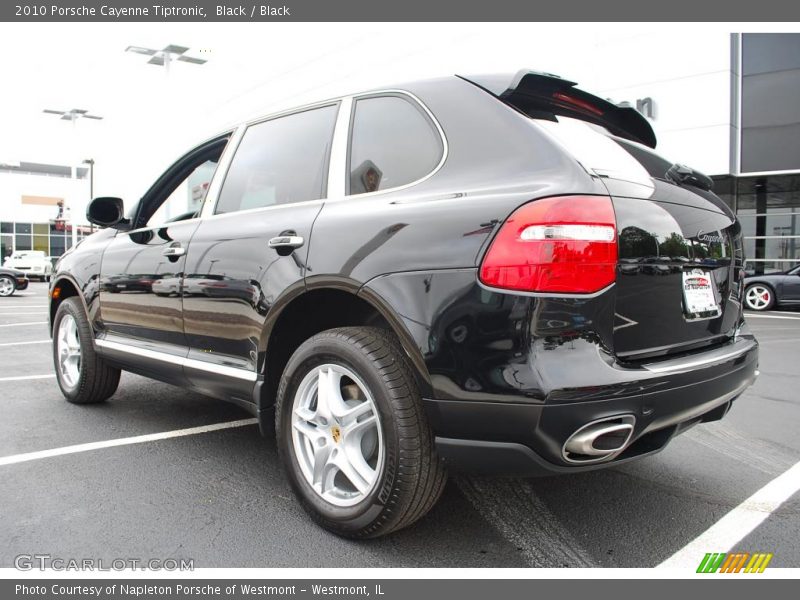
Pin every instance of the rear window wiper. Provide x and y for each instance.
(683, 175)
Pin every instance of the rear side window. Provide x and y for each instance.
(280, 161)
(392, 143)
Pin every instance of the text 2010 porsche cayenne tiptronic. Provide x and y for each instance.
(494, 274)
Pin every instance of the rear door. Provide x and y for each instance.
(251, 247)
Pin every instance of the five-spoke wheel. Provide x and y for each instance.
(336, 435)
(759, 297)
(83, 375)
(353, 435)
(68, 351)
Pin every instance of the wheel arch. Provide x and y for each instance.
(67, 288)
(323, 304)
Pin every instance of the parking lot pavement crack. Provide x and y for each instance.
(520, 516)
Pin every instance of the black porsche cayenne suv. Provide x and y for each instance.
(494, 274)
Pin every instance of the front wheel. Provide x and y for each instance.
(759, 297)
(353, 436)
(7, 285)
(83, 376)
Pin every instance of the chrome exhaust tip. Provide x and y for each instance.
(599, 440)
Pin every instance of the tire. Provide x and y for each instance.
(7, 286)
(397, 446)
(84, 377)
(759, 296)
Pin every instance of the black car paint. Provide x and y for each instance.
(505, 377)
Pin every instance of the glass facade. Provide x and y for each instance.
(768, 201)
(769, 210)
(52, 238)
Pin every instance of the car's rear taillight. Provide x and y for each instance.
(564, 244)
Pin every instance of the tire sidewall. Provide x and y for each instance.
(309, 356)
(67, 307)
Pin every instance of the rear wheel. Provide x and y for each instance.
(7, 285)
(353, 436)
(759, 297)
(83, 376)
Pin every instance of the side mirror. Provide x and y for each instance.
(107, 212)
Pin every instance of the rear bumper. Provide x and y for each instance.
(527, 439)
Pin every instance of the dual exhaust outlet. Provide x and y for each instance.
(599, 440)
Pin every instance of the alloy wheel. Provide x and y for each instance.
(336, 435)
(758, 297)
(68, 351)
(6, 286)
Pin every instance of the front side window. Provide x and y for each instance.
(280, 161)
(392, 143)
(180, 192)
(186, 199)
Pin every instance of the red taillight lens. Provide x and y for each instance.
(565, 244)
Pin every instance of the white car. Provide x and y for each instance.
(34, 263)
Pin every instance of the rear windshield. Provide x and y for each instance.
(600, 152)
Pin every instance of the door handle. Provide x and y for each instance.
(286, 241)
(174, 251)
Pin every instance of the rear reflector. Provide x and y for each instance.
(564, 244)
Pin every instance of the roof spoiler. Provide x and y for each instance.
(543, 96)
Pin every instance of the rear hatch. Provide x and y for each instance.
(680, 261)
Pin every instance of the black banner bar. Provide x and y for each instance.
(398, 10)
(732, 587)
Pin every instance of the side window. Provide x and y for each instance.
(186, 199)
(392, 143)
(180, 192)
(280, 161)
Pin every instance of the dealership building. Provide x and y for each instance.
(725, 104)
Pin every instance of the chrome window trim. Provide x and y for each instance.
(212, 195)
(182, 361)
(337, 163)
(337, 166)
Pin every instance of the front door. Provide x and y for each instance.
(141, 269)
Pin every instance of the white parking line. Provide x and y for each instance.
(14, 307)
(24, 377)
(24, 343)
(26, 323)
(748, 316)
(15, 314)
(139, 439)
(739, 522)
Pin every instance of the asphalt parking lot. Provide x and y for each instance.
(219, 496)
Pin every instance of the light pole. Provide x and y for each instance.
(72, 115)
(90, 162)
